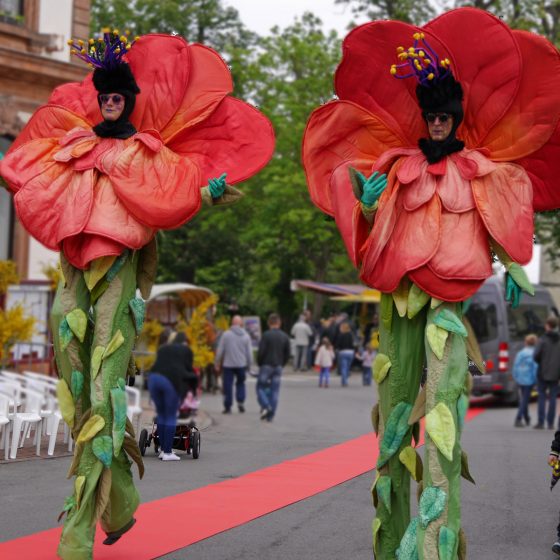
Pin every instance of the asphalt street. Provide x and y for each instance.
(509, 514)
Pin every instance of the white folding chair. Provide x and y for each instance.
(31, 415)
(5, 421)
(134, 407)
(13, 388)
(12, 375)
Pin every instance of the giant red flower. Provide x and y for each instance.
(91, 196)
(434, 222)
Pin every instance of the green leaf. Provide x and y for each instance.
(473, 349)
(375, 526)
(419, 408)
(441, 428)
(65, 334)
(79, 489)
(103, 494)
(77, 321)
(118, 400)
(133, 451)
(381, 367)
(447, 320)
(466, 305)
(386, 311)
(465, 472)
(400, 297)
(462, 407)
(117, 265)
(121, 383)
(408, 549)
(102, 447)
(412, 461)
(447, 542)
(431, 506)
(518, 274)
(65, 402)
(435, 303)
(417, 299)
(96, 359)
(375, 418)
(77, 384)
(395, 430)
(97, 270)
(138, 308)
(384, 491)
(115, 343)
(436, 339)
(373, 489)
(91, 428)
(99, 290)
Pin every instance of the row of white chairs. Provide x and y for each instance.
(28, 402)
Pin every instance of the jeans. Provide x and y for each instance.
(268, 388)
(366, 375)
(166, 399)
(324, 375)
(229, 374)
(345, 359)
(301, 357)
(550, 387)
(524, 397)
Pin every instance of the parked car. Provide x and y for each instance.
(501, 331)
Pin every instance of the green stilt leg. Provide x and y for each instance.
(103, 488)
(401, 344)
(446, 403)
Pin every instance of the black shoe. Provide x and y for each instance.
(264, 413)
(226, 411)
(518, 423)
(556, 548)
(113, 537)
(241, 408)
(538, 427)
(269, 416)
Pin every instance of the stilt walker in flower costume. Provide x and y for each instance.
(98, 193)
(427, 176)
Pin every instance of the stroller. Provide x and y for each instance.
(187, 435)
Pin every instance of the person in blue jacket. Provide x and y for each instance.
(525, 374)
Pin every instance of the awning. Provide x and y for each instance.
(190, 294)
(367, 296)
(328, 289)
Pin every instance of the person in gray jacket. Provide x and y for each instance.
(547, 355)
(234, 356)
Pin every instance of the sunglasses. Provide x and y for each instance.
(443, 117)
(116, 98)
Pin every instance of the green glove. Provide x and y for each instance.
(372, 187)
(217, 186)
(513, 291)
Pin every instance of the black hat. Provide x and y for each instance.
(118, 79)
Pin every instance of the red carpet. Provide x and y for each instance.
(218, 507)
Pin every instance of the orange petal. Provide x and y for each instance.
(419, 191)
(80, 98)
(454, 191)
(55, 204)
(488, 65)
(340, 132)
(236, 139)
(534, 113)
(209, 82)
(505, 202)
(161, 190)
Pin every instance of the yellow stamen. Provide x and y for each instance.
(400, 49)
(91, 41)
(393, 71)
(430, 76)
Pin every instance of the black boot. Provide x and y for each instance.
(113, 537)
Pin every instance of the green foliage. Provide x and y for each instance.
(395, 430)
(431, 506)
(408, 549)
(118, 401)
(412, 11)
(102, 447)
(447, 542)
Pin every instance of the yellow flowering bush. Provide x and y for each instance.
(8, 275)
(15, 326)
(148, 342)
(197, 333)
(53, 273)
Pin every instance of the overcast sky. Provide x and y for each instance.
(261, 15)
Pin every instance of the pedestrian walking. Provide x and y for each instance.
(366, 357)
(553, 460)
(234, 357)
(525, 375)
(273, 354)
(301, 332)
(547, 356)
(345, 351)
(169, 379)
(324, 360)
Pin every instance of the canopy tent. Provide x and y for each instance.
(327, 289)
(367, 296)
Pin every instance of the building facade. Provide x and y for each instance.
(34, 59)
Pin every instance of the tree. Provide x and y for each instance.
(411, 11)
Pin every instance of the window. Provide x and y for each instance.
(527, 319)
(11, 8)
(484, 320)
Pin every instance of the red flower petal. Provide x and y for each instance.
(454, 191)
(534, 113)
(505, 202)
(236, 139)
(444, 288)
(340, 132)
(488, 65)
(83, 248)
(209, 82)
(80, 98)
(363, 76)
